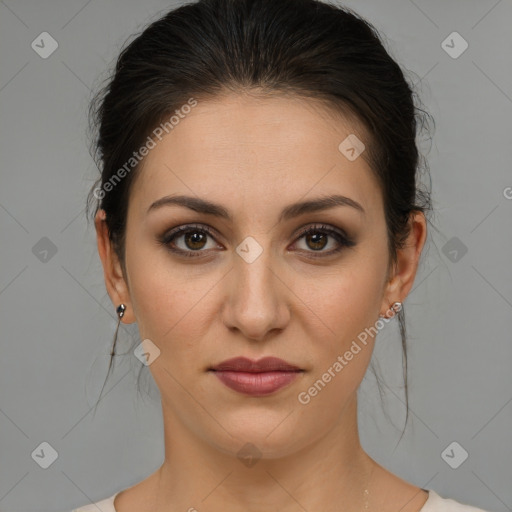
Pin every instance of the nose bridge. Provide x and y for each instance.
(255, 305)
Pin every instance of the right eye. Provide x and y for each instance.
(194, 239)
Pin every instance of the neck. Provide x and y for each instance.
(330, 474)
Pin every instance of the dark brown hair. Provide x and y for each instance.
(303, 48)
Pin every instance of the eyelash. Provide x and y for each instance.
(342, 239)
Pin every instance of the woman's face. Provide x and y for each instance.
(254, 286)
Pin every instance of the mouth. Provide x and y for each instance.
(256, 378)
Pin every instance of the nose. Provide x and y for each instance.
(257, 296)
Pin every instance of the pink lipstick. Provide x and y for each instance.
(256, 378)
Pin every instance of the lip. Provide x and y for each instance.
(266, 364)
(256, 378)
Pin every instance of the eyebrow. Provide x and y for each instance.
(293, 210)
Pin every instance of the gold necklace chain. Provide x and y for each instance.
(366, 492)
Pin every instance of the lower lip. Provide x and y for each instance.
(256, 384)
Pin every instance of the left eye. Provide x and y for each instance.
(316, 238)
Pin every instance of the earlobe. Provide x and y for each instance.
(392, 310)
(115, 283)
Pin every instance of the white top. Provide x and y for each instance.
(434, 503)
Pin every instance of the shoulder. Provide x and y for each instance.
(436, 503)
(106, 505)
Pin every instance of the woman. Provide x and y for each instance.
(260, 218)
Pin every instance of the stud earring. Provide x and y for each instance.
(396, 307)
(120, 310)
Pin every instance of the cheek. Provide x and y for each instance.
(346, 301)
(169, 301)
(167, 306)
(348, 309)
(153, 287)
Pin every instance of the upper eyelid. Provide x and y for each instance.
(321, 227)
(184, 228)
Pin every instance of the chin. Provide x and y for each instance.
(262, 435)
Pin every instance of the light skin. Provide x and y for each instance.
(255, 156)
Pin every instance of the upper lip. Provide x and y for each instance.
(266, 364)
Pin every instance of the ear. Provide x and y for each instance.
(115, 282)
(404, 273)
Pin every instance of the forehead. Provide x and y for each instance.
(249, 150)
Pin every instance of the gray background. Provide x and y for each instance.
(57, 321)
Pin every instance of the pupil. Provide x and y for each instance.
(316, 242)
(196, 238)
